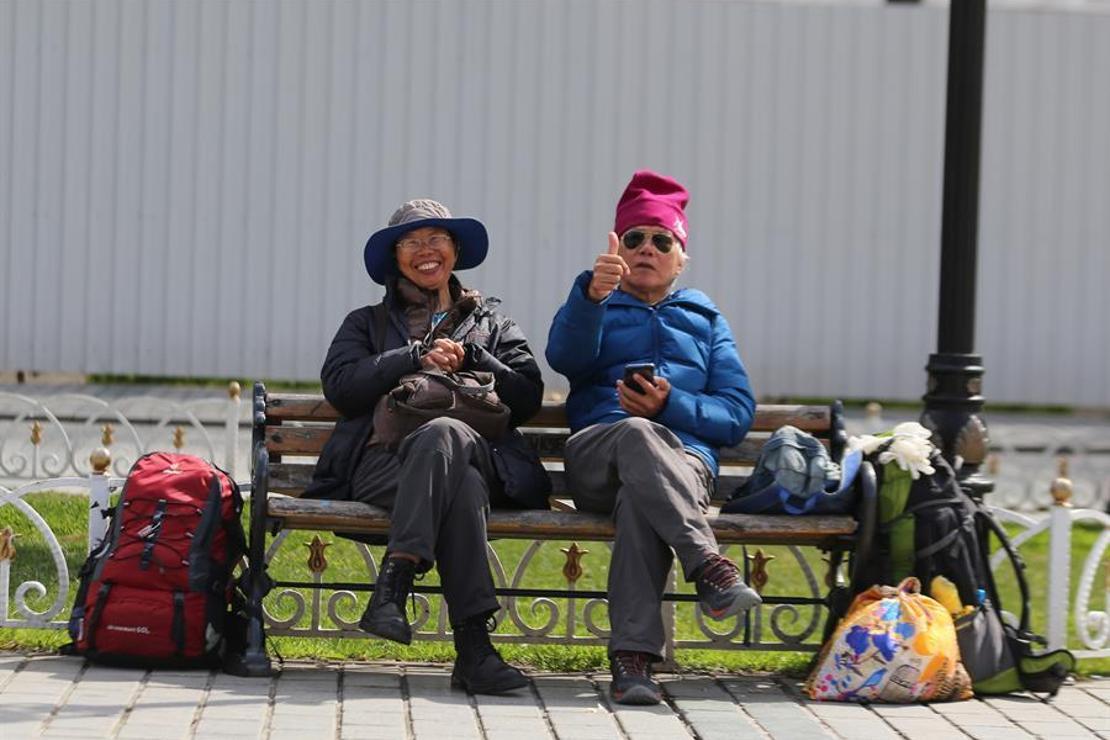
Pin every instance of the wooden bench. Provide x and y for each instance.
(290, 430)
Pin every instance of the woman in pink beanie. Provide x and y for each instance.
(648, 455)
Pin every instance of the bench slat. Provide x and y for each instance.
(290, 440)
(816, 420)
(292, 478)
(550, 446)
(354, 517)
(295, 440)
(769, 417)
(299, 406)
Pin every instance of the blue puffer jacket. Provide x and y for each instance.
(711, 403)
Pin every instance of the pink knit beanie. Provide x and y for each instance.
(652, 199)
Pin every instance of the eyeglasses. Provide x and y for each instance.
(636, 239)
(435, 241)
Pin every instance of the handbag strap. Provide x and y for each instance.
(449, 380)
(483, 309)
(380, 313)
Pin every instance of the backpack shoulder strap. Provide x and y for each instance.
(991, 526)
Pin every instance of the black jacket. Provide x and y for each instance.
(356, 374)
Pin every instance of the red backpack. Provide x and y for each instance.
(158, 590)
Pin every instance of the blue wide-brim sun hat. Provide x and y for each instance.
(469, 234)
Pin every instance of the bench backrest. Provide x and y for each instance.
(295, 426)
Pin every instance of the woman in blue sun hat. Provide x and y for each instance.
(438, 482)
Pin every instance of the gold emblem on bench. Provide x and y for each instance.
(572, 569)
(317, 563)
(759, 569)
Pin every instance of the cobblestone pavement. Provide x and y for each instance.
(50, 696)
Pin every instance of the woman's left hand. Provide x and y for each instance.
(646, 404)
(445, 355)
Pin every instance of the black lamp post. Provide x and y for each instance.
(954, 396)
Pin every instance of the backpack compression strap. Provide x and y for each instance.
(177, 629)
(1019, 570)
(151, 533)
(98, 609)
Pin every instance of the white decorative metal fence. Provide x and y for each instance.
(54, 436)
(1026, 459)
(83, 444)
(1090, 624)
(1075, 600)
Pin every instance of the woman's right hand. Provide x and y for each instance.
(609, 268)
(445, 355)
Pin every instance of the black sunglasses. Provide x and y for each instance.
(636, 239)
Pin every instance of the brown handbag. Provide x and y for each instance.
(419, 397)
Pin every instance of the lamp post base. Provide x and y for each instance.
(952, 406)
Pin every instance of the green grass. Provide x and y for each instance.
(66, 514)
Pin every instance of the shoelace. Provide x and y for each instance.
(720, 573)
(633, 665)
(404, 580)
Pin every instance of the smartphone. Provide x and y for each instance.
(633, 371)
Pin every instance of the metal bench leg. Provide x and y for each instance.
(254, 662)
(839, 597)
(669, 610)
(867, 524)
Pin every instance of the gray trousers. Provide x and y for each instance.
(436, 489)
(658, 495)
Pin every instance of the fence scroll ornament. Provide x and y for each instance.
(25, 614)
(52, 437)
(1092, 626)
(566, 618)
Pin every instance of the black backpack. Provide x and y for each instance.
(929, 527)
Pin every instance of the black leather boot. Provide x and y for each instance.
(479, 668)
(385, 614)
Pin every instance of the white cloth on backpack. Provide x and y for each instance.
(910, 448)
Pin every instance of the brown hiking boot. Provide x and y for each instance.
(721, 590)
(632, 682)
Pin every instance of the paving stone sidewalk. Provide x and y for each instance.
(50, 696)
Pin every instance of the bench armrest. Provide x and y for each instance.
(867, 518)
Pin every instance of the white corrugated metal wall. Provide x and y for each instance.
(185, 186)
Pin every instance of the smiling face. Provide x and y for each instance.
(426, 256)
(651, 272)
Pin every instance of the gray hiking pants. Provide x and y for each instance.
(436, 489)
(658, 494)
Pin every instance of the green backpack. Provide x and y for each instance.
(929, 527)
